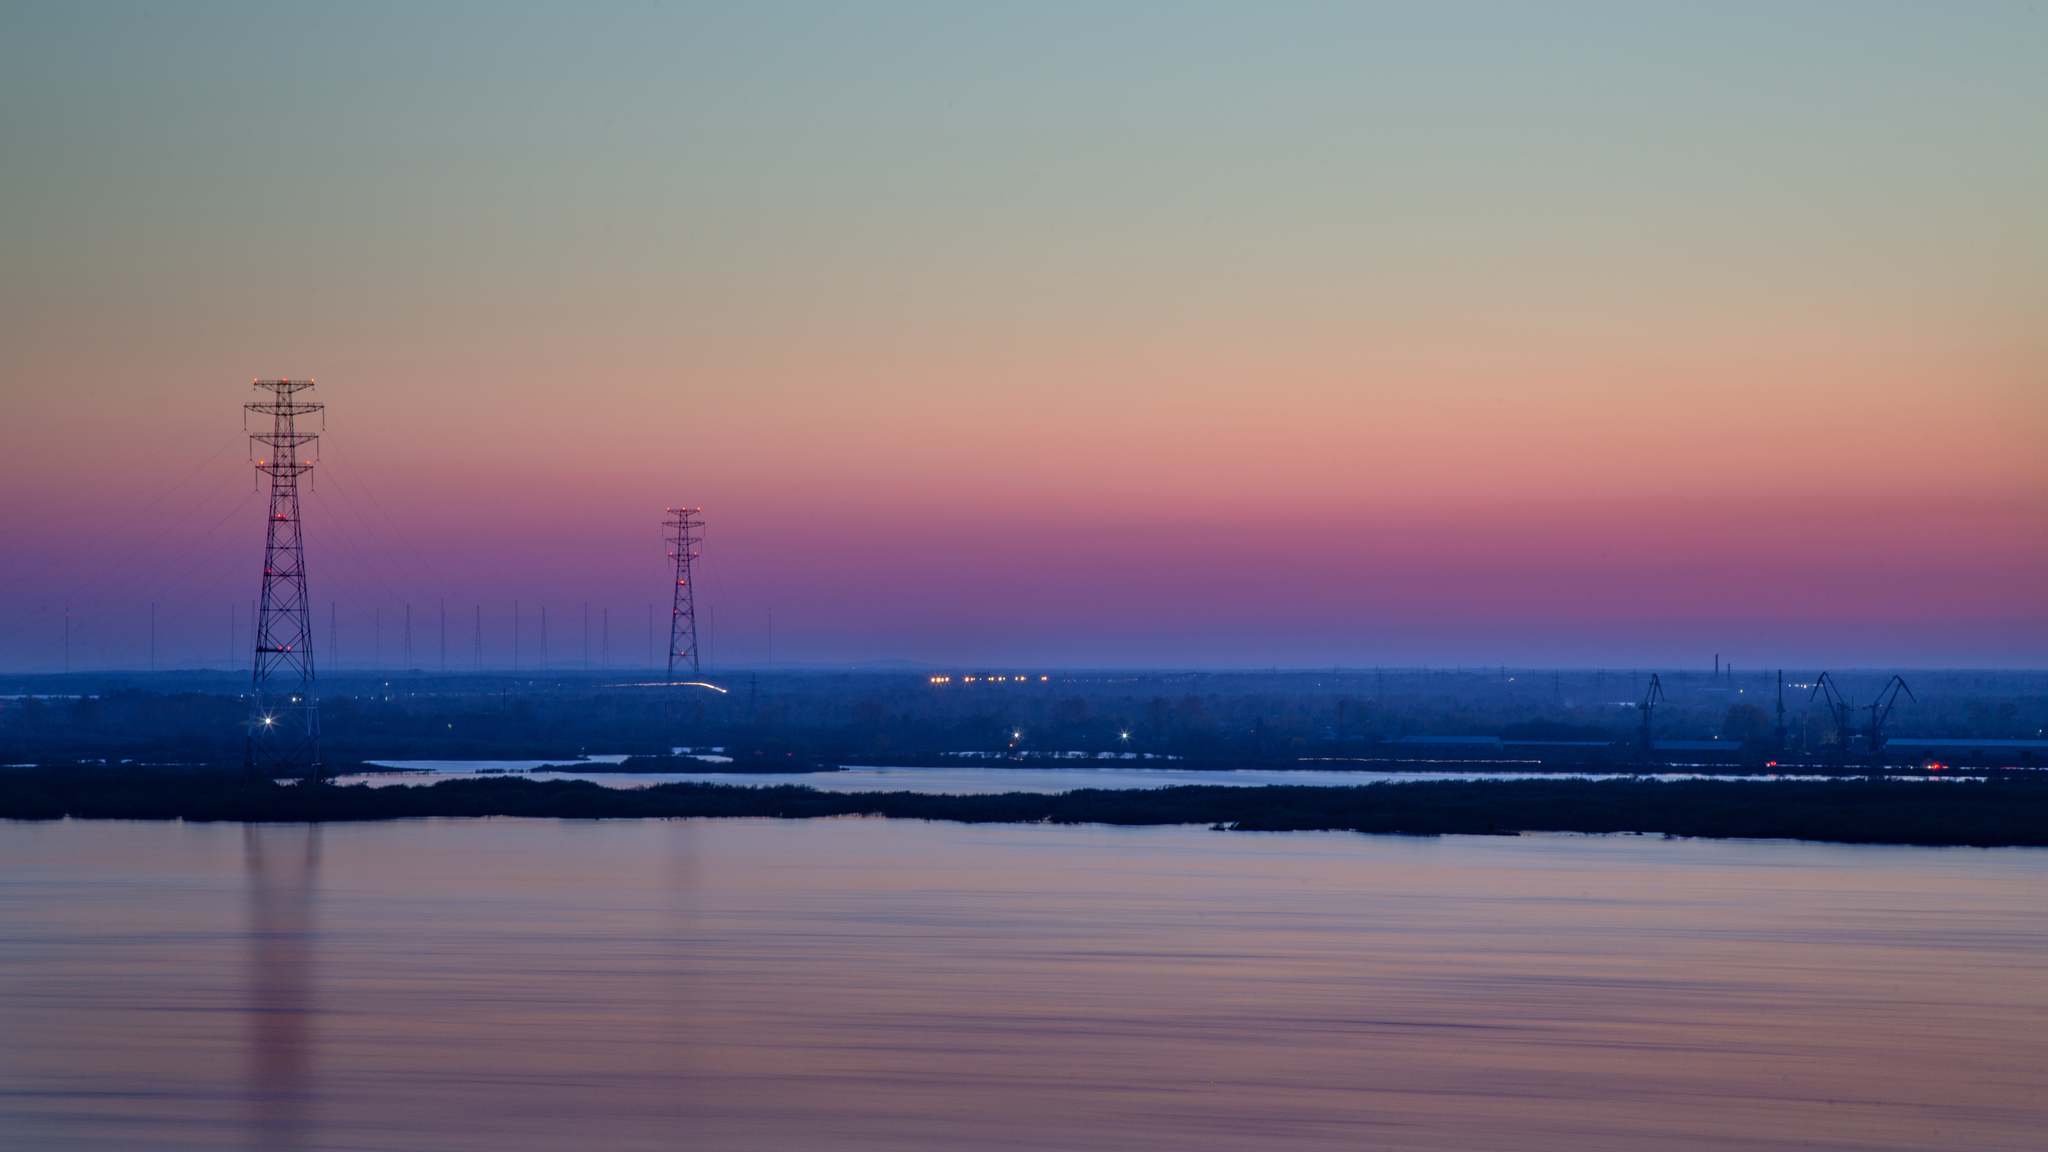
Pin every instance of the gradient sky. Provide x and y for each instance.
(1175, 335)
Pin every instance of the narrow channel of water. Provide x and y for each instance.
(977, 781)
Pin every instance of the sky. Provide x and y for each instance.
(1178, 335)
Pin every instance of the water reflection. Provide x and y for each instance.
(537, 985)
(281, 867)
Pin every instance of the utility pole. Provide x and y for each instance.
(284, 724)
(444, 637)
(1780, 733)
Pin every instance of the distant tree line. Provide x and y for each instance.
(2003, 811)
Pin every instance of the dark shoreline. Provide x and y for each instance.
(1999, 812)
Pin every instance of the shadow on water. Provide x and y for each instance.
(282, 870)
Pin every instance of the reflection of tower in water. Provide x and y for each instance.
(282, 867)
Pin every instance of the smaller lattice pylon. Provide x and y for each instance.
(685, 528)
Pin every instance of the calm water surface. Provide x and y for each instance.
(979, 781)
(869, 984)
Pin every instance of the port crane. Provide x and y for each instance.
(1880, 710)
(1651, 699)
(1838, 707)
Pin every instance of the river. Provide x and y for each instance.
(967, 781)
(869, 984)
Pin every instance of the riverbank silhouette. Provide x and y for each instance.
(2000, 811)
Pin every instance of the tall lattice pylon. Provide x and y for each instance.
(685, 530)
(284, 720)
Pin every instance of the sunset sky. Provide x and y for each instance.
(1096, 335)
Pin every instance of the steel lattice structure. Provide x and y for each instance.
(684, 534)
(284, 719)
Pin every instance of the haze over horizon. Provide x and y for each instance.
(1292, 336)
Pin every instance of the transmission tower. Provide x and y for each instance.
(284, 721)
(684, 534)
